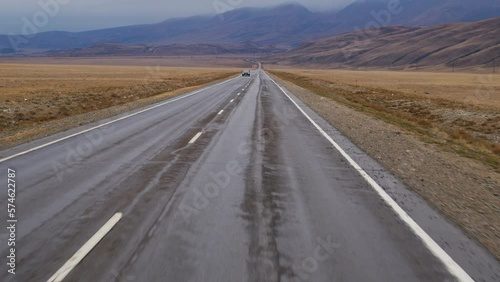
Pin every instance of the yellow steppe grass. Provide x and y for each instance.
(34, 94)
(472, 88)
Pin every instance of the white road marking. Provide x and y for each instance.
(195, 137)
(111, 122)
(450, 264)
(238, 94)
(231, 101)
(221, 111)
(85, 249)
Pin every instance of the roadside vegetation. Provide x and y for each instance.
(467, 124)
(33, 95)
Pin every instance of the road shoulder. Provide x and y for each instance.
(460, 189)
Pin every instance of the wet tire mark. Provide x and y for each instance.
(260, 203)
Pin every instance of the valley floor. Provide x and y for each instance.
(438, 132)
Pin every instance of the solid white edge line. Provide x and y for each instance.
(221, 111)
(449, 263)
(195, 137)
(112, 121)
(85, 249)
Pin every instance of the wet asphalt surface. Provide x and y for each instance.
(259, 196)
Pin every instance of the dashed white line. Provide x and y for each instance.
(221, 111)
(112, 121)
(195, 137)
(231, 101)
(449, 263)
(85, 249)
(238, 94)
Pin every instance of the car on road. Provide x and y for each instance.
(246, 73)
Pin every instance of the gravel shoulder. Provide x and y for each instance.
(464, 190)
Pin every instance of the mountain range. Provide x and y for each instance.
(460, 45)
(284, 26)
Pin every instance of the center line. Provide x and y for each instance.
(231, 101)
(221, 111)
(85, 249)
(195, 137)
(238, 94)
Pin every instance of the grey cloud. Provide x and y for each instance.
(78, 15)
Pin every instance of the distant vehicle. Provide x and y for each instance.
(246, 73)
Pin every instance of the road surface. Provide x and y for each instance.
(235, 182)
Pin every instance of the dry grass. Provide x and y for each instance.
(475, 89)
(459, 112)
(31, 95)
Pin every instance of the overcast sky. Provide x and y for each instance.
(78, 15)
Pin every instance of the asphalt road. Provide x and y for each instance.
(230, 183)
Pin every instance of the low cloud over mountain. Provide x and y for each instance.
(284, 26)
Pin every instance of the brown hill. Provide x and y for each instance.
(460, 45)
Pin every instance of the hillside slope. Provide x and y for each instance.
(461, 45)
